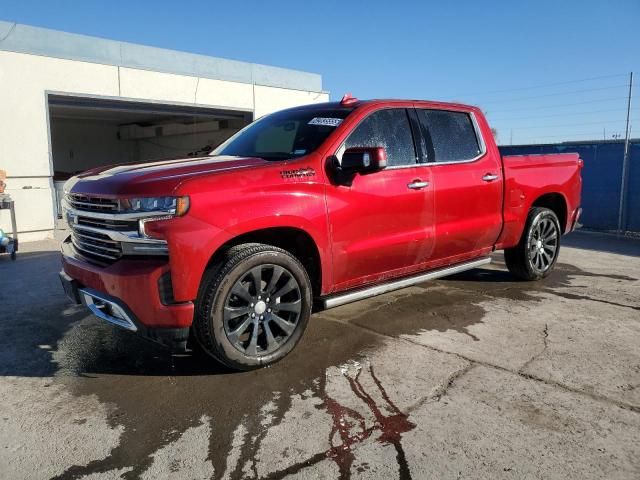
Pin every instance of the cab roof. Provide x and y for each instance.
(356, 103)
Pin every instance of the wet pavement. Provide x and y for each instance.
(472, 376)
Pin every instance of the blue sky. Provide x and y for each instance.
(502, 55)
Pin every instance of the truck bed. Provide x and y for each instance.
(529, 177)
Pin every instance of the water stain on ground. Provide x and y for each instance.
(497, 282)
(157, 397)
(436, 306)
(131, 375)
(349, 429)
(156, 408)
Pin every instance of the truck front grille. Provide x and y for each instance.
(103, 233)
(93, 244)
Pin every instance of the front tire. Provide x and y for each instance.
(535, 255)
(253, 306)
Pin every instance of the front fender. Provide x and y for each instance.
(192, 242)
(226, 206)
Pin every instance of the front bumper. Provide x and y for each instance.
(127, 294)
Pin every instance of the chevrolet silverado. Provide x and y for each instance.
(311, 207)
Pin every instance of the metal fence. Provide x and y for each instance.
(602, 174)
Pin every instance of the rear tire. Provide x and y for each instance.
(535, 255)
(253, 307)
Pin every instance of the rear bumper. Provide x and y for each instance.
(576, 219)
(129, 288)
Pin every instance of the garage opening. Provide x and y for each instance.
(88, 132)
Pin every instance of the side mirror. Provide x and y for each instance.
(363, 160)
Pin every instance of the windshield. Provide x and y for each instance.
(284, 135)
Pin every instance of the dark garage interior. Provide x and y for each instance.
(88, 132)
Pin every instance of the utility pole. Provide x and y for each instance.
(511, 137)
(625, 164)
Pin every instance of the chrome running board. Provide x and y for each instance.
(355, 295)
(106, 309)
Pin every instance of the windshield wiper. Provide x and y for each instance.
(275, 157)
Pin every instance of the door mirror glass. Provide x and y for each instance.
(363, 160)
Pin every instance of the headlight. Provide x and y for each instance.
(176, 206)
(170, 206)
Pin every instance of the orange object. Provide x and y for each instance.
(3, 176)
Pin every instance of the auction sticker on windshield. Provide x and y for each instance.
(327, 122)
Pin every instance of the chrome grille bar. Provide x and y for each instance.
(91, 250)
(109, 224)
(97, 242)
(90, 239)
(91, 206)
(92, 247)
(82, 202)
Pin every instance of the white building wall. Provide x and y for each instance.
(24, 132)
(272, 99)
(225, 94)
(24, 79)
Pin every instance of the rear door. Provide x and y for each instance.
(467, 183)
(382, 224)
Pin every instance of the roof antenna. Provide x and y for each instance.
(348, 99)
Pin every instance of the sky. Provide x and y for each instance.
(543, 71)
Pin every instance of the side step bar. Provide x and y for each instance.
(354, 296)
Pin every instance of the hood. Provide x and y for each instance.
(153, 178)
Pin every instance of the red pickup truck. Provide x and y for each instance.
(313, 206)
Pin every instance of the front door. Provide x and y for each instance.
(381, 225)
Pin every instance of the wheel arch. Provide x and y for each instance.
(557, 203)
(294, 240)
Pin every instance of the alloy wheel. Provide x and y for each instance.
(543, 244)
(262, 309)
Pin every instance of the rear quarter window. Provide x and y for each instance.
(452, 135)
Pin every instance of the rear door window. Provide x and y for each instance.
(388, 128)
(452, 135)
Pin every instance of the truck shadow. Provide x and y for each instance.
(497, 282)
(559, 277)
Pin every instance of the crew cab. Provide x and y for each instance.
(311, 207)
